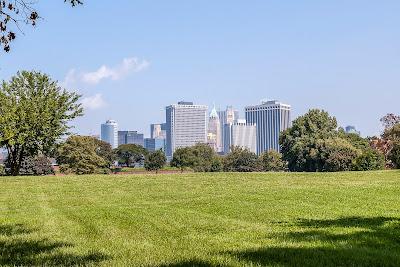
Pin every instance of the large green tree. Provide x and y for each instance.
(183, 158)
(34, 114)
(299, 143)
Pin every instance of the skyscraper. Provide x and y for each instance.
(153, 144)
(186, 125)
(109, 133)
(227, 116)
(130, 137)
(271, 118)
(240, 134)
(214, 131)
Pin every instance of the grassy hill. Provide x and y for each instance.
(277, 219)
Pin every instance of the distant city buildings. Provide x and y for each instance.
(352, 129)
(130, 137)
(158, 131)
(240, 133)
(214, 136)
(153, 144)
(186, 125)
(271, 118)
(109, 133)
(227, 116)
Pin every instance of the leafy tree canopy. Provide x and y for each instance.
(272, 161)
(84, 155)
(155, 161)
(242, 160)
(34, 115)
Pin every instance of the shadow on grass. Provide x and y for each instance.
(17, 249)
(189, 263)
(350, 241)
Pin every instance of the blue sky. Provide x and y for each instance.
(130, 59)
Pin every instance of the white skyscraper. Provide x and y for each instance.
(214, 131)
(271, 118)
(109, 133)
(240, 134)
(186, 125)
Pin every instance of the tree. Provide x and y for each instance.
(242, 160)
(272, 161)
(83, 155)
(203, 156)
(183, 158)
(299, 143)
(394, 154)
(155, 161)
(130, 154)
(370, 160)
(16, 12)
(34, 115)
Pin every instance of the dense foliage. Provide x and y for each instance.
(84, 155)
(314, 143)
(34, 114)
(272, 161)
(155, 161)
(38, 165)
(242, 160)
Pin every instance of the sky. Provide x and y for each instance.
(130, 59)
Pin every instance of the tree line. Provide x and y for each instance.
(35, 113)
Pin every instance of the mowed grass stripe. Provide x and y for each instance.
(227, 219)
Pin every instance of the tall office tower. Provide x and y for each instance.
(130, 137)
(214, 131)
(240, 134)
(158, 130)
(271, 118)
(186, 125)
(109, 133)
(226, 117)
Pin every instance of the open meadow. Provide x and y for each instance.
(197, 219)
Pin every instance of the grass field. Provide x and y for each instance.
(278, 219)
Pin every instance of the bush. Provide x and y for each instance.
(242, 160)
(216, 164)
(84, 155)
(2, 170)
(394, 154)
(272, 161)
(369, 160)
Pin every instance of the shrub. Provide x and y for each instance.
(242, 160)
(39, 165)
(272, 161)
(369, 160)
(394, 154)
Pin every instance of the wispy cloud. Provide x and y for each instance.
(94, 102)
(128, 66)
(118, 72)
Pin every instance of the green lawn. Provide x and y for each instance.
(278, 219)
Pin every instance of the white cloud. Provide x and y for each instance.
(125, 68)
(94, 102)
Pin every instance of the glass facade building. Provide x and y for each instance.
(240, 134)
(130, 137)
(271, 118)
(153, 144)
(109, 133)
